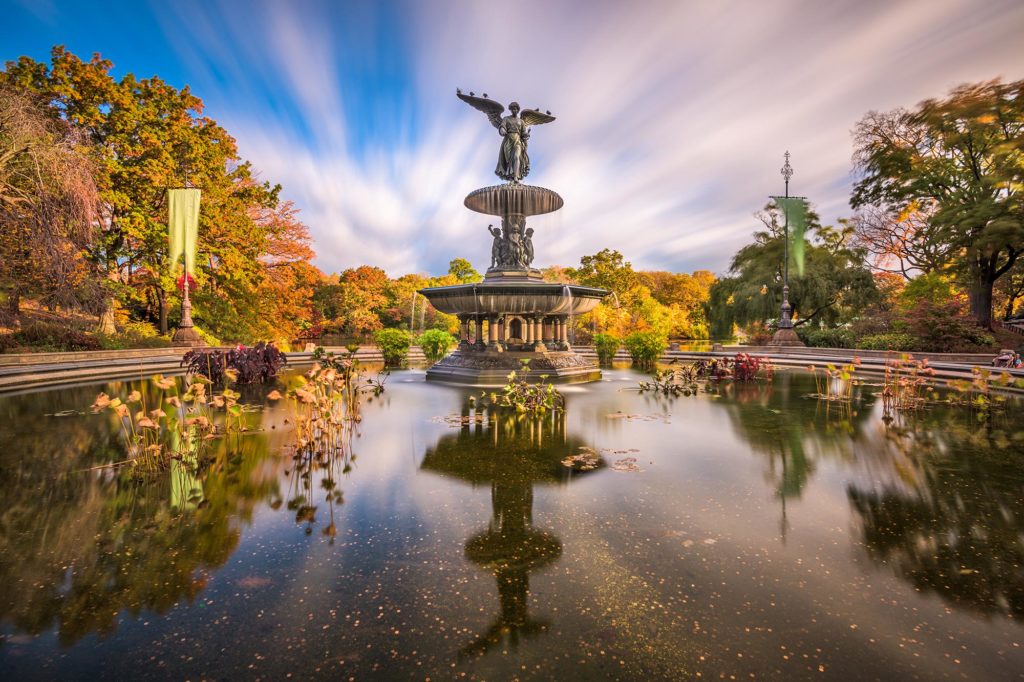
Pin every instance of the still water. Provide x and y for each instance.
(748, 533)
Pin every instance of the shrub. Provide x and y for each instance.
(760, 334)
(888, 341)
(606, 346)
(827, 338)
(394, 345)
(134, 335)
(942, 326)
(645, 347)
(49, 337)
(436, 343)
(208, 338)
(252, 365)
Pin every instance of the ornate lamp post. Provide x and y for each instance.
(785, 336)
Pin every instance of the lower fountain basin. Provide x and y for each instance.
(514, 298)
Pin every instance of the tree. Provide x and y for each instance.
(689, 293)
(463, 271)
(148, 136)
(48, 203)
(1010, 289)
(961, 159)
(901, 243)
(835, 285)
(606, 269)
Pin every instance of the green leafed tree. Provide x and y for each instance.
(606, 269)
(959, 163)
(834, 286)
(462, 270)
(147, 136)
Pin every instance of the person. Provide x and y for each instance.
(496, 245)
(528, 247)
(513, 161)
(1005, 358)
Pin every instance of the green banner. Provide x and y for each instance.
(183, 226)
(795, 211)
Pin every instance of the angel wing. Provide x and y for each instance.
(532, 117)
(488, 106)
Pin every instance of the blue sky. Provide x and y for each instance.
(672, 116)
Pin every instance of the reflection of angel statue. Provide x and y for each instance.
(496, 246)
(513, 161)
(528, 247)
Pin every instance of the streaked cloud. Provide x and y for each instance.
(672, 116)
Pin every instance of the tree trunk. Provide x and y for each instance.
(107, 323)
(980, 298)
(161, 300)
(14, 305)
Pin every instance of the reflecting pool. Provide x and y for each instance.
(749, 532)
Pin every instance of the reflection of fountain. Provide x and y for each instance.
(512, 454)
(523, 317)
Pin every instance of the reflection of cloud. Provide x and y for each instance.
(672, 116)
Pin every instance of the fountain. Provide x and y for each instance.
(513, 315)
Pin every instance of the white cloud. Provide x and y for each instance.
(672, 116)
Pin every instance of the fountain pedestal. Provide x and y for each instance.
(513, 320)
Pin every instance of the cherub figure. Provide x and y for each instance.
(528, 247)
(496, 246)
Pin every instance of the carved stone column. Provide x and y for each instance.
(528, 331)
(549, 333)
(478, 338)
(463, 332)
(563, 333)
(537, 324)
(492, 333)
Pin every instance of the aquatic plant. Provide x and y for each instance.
(525, 396)
(836, 383)
(606, 346)
(394, 345)
(173, 422)
(645, 347)
(436, 343)
(350, 370)
(686, 379)
(977, 393)
(677, 381)
(257, 364)
(907, 384)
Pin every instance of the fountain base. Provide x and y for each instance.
(491, 368)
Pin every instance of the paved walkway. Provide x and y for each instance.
(39, 371)
(23, 372)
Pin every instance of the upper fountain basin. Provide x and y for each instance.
(514, 298)
(513, 199)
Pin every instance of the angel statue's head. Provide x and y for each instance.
(514, 108)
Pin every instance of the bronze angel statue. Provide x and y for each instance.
(513, 160)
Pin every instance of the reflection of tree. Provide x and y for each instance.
(78, 547)
(792, 431)
(951, 518)
(512, 454)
